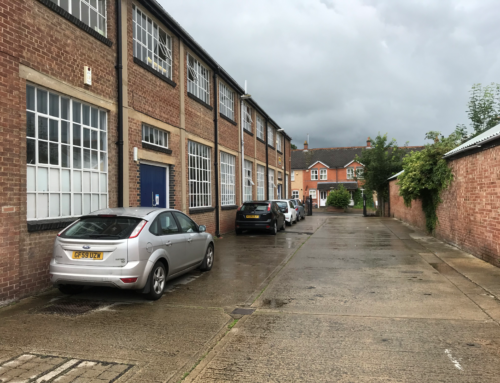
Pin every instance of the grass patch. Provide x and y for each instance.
(232, 324)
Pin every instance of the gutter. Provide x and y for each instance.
(216, 159)
(119, 69)
(478, 145)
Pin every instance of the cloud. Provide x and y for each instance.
(345, 70)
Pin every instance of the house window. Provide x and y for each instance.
(293, 176)
(314, 174)
(198, 79)
(66, 148)
(350, 173)
(247, 117)
(227, 179)
(90, 12)
(154, 136)
(271, 184)
(247, 192)
(278, 142)
(199, 175)
(226, 101)
(312, 193)
(360, 173)
(152, 45)
(260, 182)
(270, 138)
(260, 127)
(322, 174)
(295, 194)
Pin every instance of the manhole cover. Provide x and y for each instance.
(240, 311)
(71, 307)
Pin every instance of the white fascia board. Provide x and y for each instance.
(352, 162)
(322, 163)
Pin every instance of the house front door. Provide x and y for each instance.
(154, 191)
(322, 198)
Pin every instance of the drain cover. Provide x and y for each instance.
(71, 307)
(240, 311)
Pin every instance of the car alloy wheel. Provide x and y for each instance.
(208, 261)
(275, 228)
(159, 280)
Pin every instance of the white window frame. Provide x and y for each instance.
(271, 185)
(198, 79)
(270, 135)
(260, 127)
(278, 142)
(248, 172)
(148, 44)
(200, 175)
(286, 186)
(312, 193)
(350, 173)
(247, 117)
(228, 179)
(323, 174)
(154, 136)
(314, 174)
(360, 173)
(292, 174)
(226, 97)
(295, 194)
(86, 184)
(261, 185)
(100, 13)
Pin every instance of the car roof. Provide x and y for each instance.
(139, 212)
(266, 201)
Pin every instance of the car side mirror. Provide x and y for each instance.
(202, 228)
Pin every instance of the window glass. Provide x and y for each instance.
(247, 117)
(261, 207)
(228, 179)
(154, 136)
(322, 174)
(260, 182)
(314, 174)
(350, 173)
(247, 191)
(187, 224)
(102, 228)
(260, 127)
(295, 194)
(226, 101)
(198, 79)
(90, 12)
(164, 224)
(270, 136)
(200, 181)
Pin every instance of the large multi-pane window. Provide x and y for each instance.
(90, 12)
(226, 101)
(154, 136)
(278, 142)
(360, 173)
(198, 79)
(270, 136)
(260, 182)
(247, 117)
(271, 185)
(295, 194)
(200, 192)
(152, 45)
(322, 174)
(66, 156)
(247, 192)
(260, 127)
(314, 174)
(227, 179)
(350, 173)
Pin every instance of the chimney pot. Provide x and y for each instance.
(305, 145)
(369, 142)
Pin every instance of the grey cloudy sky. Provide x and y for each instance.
(343, 70)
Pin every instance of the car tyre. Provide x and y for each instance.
(70, 289)
(274, 230)
(157, 280)
(283, 227)
(208, 261)
(239, 231)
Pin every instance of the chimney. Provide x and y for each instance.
(369, 142)
(305, 145)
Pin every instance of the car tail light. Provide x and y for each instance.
(138, 229)
(239, 208)
(286, 211)
(297, 208)
(269, 207)
(129, 280)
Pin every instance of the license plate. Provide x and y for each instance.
(252, 216)
(87, 255)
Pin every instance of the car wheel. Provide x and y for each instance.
(70, 289)
(157, 280)
(274, 230)
(208, 261)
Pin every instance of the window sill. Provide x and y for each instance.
(261, 140)
(156, 148)
(229, 207)
(280, 152)
(72, 19)
(200, 101)
(227, 119)
(154, 72)
(200, 210)
(272, 147)
(49, 224)
(248, 132)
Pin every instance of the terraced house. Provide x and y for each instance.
(112, 103)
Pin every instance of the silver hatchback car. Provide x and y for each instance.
(129, 248)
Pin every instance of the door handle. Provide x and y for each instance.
(168, 243)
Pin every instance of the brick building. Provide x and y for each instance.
(112, 103)
(317, 171)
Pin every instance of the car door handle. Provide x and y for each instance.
(168, 243)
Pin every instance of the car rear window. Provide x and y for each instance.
(254, 207)
(102, 228)
(281, 204)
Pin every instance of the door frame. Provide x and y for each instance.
(167, 173)
(322, 202)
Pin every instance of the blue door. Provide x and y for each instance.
(153, 186)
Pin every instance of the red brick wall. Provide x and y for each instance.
(468, 215)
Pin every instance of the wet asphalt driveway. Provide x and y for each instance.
(360, 300)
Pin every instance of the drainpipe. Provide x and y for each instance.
(119, 69)
(242, 116)
(267, 162)
(216, 159)
(284, 165)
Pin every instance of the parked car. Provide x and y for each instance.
(260, 215)
(299, 208)
(129, 248)
(288, 209)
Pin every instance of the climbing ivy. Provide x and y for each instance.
(426, 174)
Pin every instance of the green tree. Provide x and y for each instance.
(339, 197)
(293, 146)
(381, 161)
(426, 174)
(483, 108)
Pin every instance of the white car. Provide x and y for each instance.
(288, 210)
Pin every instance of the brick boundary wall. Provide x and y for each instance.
(469, 214)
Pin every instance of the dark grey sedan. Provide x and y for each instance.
(299, 207)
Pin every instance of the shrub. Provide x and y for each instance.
(339, 198)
